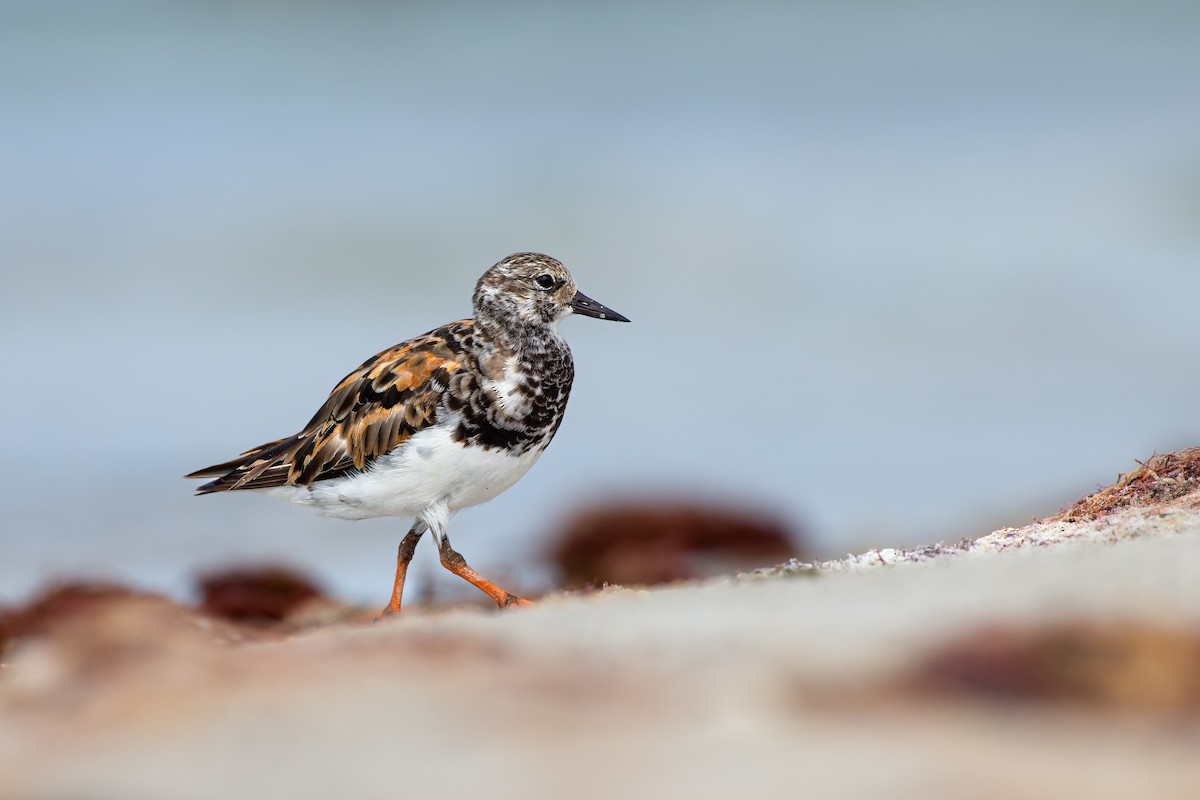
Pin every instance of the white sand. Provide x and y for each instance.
(761, 687)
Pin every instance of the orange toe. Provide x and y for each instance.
(387, 613)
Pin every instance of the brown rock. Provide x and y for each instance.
(1112, 667)
(643, 544)
(255, 595)
(57, 604)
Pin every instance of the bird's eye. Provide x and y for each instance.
(545, 280)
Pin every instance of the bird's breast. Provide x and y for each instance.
(517, 410)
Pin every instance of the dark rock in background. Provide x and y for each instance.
(648, 543)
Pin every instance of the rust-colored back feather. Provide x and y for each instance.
(373, 410)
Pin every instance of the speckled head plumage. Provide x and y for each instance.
(530, 291)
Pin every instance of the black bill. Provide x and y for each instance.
(590, 308)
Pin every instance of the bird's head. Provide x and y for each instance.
(532, 291)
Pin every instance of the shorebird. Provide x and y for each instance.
(435, 424)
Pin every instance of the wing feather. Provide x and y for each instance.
(372, 411)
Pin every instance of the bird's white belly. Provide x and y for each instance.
(429, 469)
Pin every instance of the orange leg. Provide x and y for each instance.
(403, 556)
(454, 562)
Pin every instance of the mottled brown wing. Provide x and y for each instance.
(372, 411)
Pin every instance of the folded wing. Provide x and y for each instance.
(374, 410)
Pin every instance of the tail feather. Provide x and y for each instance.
(267, 466)
(242, 472)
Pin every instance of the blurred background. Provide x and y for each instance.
(897, 272)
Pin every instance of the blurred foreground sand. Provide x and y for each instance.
(996, 670)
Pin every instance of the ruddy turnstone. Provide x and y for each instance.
(438, 423)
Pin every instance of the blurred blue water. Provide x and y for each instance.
(897, 273)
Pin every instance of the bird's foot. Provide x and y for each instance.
(387, 613)
(511, 600)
